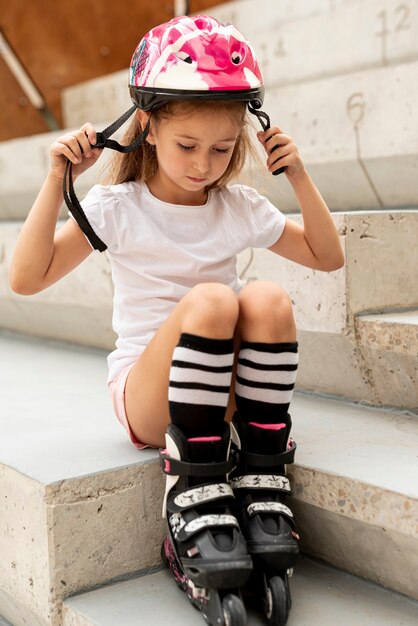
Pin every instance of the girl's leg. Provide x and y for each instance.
(265, 316)
(208, 311)
(266, 373)
(267, 357)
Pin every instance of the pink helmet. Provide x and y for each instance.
(194, 57)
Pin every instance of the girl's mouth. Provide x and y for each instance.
(197, 180)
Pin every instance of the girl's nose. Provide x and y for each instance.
(202, 163)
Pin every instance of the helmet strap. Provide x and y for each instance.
(103, 141)
(264, 120)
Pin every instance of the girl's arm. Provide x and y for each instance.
(43, 255)
(315, 244)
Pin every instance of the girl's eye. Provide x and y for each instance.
(222, 150)
(186, 148)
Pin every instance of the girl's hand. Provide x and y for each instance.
(285, 155)
(76, 147)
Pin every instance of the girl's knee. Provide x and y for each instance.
(209, 302)
(264, 300)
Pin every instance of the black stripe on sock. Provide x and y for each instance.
(257, 385)
(271, 368)
(200, 386)
(270, 347)
(206, 344)
(201, 366)
(257, 407)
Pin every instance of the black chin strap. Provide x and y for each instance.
(264, 120)
(102, 141)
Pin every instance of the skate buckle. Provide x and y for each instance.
(199, 593)
(193, 551)
(290, 572)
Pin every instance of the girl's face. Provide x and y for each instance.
(193, 152)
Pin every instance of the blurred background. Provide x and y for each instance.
(59, 44)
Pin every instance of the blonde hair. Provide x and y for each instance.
(142, 164)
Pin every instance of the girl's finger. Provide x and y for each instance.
(265, 135)
(277, 140)
(280, 152)
(90, 132)
(75, 144)
(84, 143)
(62, 149)
(286, 158)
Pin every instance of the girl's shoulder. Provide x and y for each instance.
(112, 196)
(115, 191)
(239, 195)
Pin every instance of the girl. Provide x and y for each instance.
(172, 227)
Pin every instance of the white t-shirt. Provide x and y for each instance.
(159, 251)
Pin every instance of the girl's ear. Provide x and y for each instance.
(143, 118)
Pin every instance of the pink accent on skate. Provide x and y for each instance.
(173, 564)
(268, 426)
(167, 462)
(203, 439)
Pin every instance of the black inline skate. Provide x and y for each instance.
(204, 547)
(260, 487)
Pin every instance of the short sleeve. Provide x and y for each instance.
(266, 222)
(101, 207)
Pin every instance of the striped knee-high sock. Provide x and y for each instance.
(200, 379)
(266, 376)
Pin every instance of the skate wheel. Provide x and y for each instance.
(288, 596)
(233, 611)
(277, 602)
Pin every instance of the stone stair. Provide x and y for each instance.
(81, 508)
(340, 316)
(320, 596)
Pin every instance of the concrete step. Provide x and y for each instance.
(322, 596)
(311, 46)
(330, 309)
(82, 507)
(241, 13)
(77, 309)
(296, 47)
(24, 165)
(376, 363)
(354, 165)
(316, 27)
(380, 274)
(382, 338)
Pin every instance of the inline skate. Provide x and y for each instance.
(204, 547)
(260, 487)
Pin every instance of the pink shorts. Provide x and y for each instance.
(117, 393)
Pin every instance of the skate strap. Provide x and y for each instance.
(269, 507)
(261, 481)
(268, 460)
(175, 467)
(183, 530)
(198, 495)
